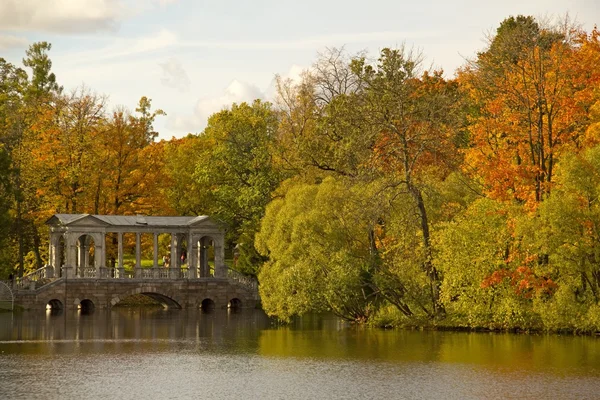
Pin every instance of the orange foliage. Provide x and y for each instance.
(524, 281)
(530, 114)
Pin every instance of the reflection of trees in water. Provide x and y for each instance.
(317, 337)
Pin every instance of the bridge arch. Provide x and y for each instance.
(54, 305)
(166, 299)
(234, 304)
(207, 304)
(86, 306)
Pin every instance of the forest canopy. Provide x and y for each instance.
(374, 188)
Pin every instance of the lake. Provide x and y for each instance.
(187, 354)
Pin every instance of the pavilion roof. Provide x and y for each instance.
(129, 220)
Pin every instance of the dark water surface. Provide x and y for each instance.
(185, 354)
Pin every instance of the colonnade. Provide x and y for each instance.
(75, 242)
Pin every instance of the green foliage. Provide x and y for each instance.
(317, 241)
(378, 190)
(568, 231)
(235, 172)
(478, 256)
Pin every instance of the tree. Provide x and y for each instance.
(318, 242)
(568, 230)
(130, 165)
(43, 81)
(21, 102)
(528, 106)
(415, 119)
(184, 193)
(238, 173)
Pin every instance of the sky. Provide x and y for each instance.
(195, 57)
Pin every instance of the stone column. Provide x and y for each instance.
(199, 258)
(100, 255)
(138, 255)
(86, 251)
(174, 256)
(51, 250)
(204, 269)
(155, 250)
(54, 255)
(192, 249)
(58, 255)
(71, 249)
(120, 255)
(220, 268)
(80, 258)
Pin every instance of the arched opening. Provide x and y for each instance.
(54, 305)
(86, 253)
(147, 299)
(234, 304)
(207, 305)
(86, 306)
(206, 256)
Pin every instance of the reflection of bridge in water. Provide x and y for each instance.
(79, 244)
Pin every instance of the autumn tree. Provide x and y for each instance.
(23, 100)
(528, 96)
(127, 163)
(414, 113)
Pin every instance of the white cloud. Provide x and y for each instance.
(174, 75)
(316, 42)
(125, 47)
(236, 92)
(9, 41)
(61, 16)
(294, 74)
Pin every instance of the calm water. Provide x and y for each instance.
(184, 354)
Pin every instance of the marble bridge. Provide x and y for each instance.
(192, 274)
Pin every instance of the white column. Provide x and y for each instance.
(51, 250)
(80, 260)
(174, 262)
(138, 254)
(71, 256)
(100, 255)
(56, 259)
(155, 250)
(220, 268)
(120, 255)
(86, 251)
(191, 253)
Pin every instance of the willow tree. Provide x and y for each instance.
(318, 240)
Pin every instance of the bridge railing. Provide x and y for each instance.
(30, 280)
(161, 273)
(88, 272)
(246, 281)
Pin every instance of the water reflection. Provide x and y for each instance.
(158, 353)
(313, 337)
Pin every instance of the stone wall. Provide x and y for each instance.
(105, 293)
